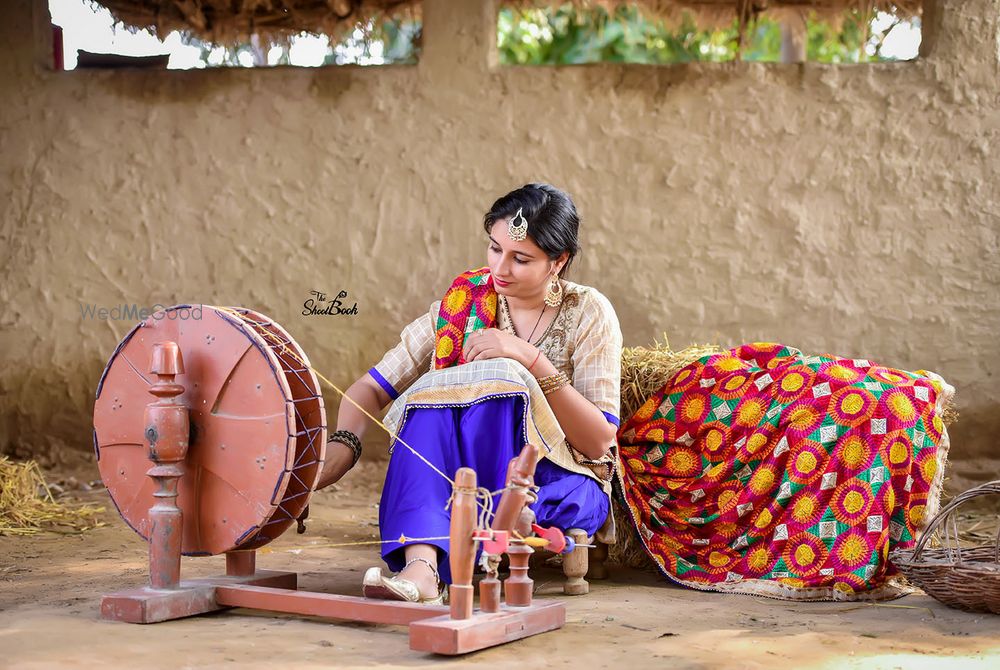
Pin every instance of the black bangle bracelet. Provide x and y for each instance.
(348, 439)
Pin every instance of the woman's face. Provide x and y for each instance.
(519, 269)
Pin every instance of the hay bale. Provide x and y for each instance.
(646, 369)
(627, 551)
(27, 506)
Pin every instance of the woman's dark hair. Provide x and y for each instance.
(551, 215)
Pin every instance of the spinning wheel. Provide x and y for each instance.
(257, 427)
(224, 406)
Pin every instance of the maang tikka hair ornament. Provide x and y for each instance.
(516, 230)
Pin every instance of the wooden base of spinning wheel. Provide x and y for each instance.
(456, 629)
(431, 627)
(444, 635)
(236, 444)
(188, 598)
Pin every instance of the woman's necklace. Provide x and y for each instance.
(528, 338)
(511, 319)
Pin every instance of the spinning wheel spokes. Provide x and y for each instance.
(306, 405)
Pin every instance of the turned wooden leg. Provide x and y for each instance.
(575, 565)
(598, 555)
(518, 587)
(241, 563)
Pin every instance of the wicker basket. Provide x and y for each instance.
(968, 579)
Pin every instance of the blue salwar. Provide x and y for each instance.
(483, 436)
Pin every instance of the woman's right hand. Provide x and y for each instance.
(495, 343)
(339, 459)
(367, 393)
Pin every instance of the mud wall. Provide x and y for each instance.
(849, 209)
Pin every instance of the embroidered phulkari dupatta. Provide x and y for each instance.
(763, 471)
(469, 305)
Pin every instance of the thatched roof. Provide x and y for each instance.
(224, 21)
(227, 21)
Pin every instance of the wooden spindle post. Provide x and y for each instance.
(463, 550)
(167, 431)
(518, 586)
(520, 474)
(512, 501)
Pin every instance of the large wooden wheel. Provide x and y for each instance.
(258, 427)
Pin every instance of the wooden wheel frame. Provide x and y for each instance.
(257, 427)
(236, 437)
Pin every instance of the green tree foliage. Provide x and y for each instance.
(566, 35)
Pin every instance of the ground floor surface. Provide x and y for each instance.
(51, 585)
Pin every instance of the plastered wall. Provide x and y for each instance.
(850, 210)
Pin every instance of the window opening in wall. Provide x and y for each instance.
(572, 34)
(88, 35)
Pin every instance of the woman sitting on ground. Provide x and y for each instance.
(512, 354)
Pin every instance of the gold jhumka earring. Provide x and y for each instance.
(554, 293)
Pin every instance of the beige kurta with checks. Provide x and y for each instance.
(584, 341)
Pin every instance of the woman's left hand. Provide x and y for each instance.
(494, 343)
